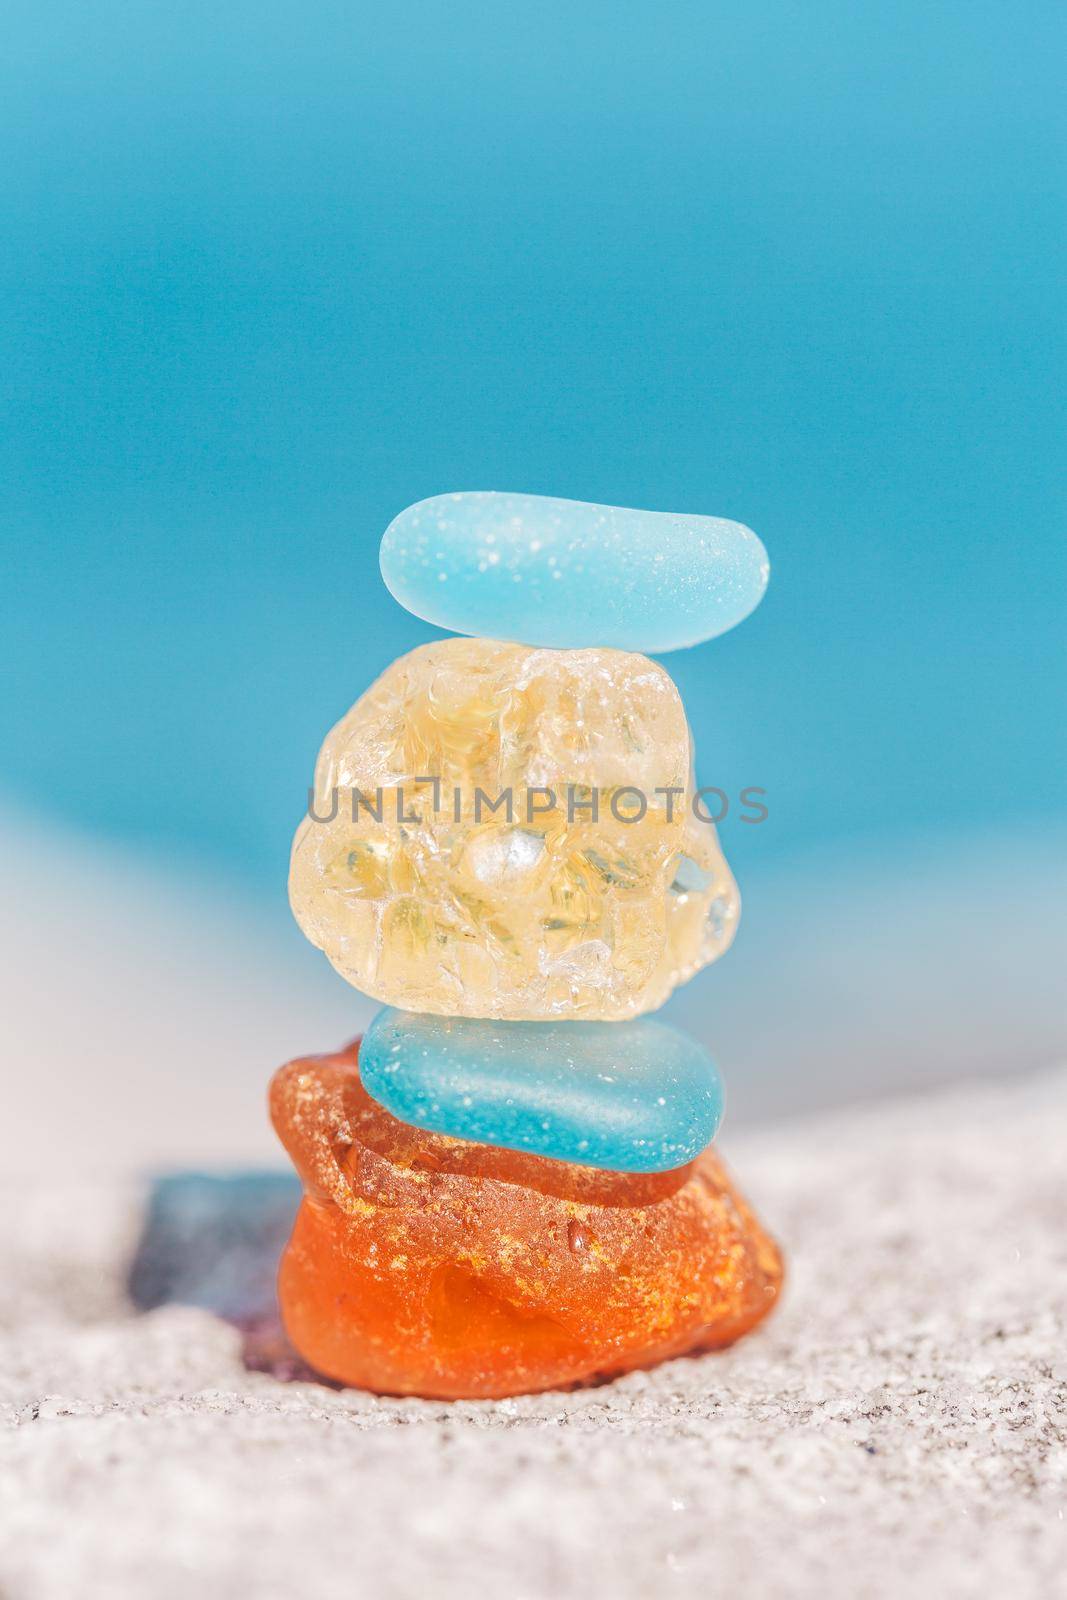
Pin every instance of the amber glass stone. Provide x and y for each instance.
(421, 1264)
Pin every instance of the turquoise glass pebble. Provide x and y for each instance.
(565, 574)
(626, 1096)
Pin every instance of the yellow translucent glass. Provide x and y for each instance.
(448, 906)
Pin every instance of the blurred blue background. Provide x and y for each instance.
(271, 272)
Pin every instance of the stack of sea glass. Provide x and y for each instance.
(509, 1181)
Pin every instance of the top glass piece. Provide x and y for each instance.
(565, 574)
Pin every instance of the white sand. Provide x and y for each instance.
(900, 1427)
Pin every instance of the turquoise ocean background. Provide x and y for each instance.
(271, 272)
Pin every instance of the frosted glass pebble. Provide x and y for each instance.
(626, 1096)
(565, 574)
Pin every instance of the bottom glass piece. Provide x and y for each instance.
(422, 1264)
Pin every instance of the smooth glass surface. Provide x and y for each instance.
(628, 1097)
(567, 574)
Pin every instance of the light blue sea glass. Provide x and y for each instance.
(566, 574)
(626, 1096)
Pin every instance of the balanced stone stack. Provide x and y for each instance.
(509, 1181)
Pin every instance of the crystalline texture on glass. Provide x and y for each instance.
(454, 864)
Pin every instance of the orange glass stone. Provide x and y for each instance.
(425, 1265)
